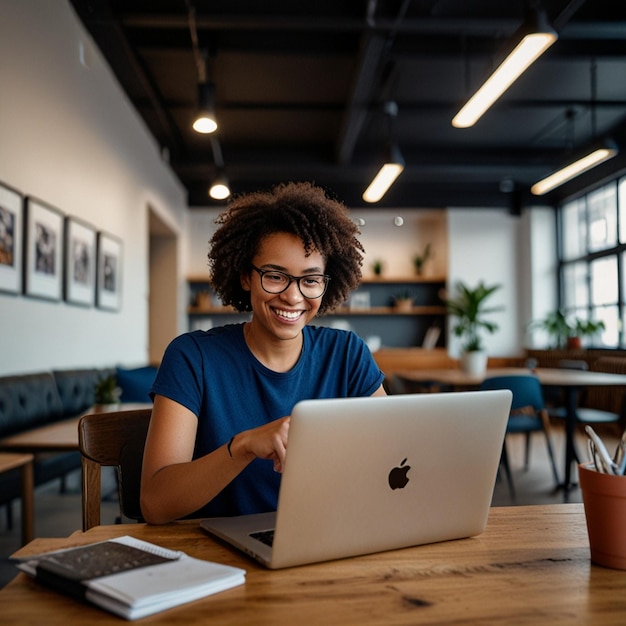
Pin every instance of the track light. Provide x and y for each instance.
(390, 170)
(219, 189)
(598, 153)
(533, 39)
(205, 122)
(393, 162)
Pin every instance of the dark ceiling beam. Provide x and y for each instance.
(435, 26)
(406, 106)
(358, 103)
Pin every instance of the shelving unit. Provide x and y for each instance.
(203, 310)
(396, 328)
(370, 311)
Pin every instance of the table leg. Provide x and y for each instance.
(570, 430)
(28, 503)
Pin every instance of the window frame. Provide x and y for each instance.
(588, 255)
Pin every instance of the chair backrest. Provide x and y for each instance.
(114, 439)
(610, 398)
(526, 390)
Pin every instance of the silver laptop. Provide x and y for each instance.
(365, 475)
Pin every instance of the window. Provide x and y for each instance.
(593, 257)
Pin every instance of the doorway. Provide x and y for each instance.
(163, 287)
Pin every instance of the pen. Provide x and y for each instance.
(607, 463)
(620, 454)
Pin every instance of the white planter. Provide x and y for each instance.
(474, 363)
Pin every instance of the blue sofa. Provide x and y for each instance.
(31, 400)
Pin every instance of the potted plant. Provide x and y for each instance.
(468, 307)
(403, 301)
(377, 267)
(583, 329)
(567, 333)
(107, 394)
(420, 259)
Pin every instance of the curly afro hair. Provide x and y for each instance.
(300, 209)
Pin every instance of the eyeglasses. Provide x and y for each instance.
(310, 286)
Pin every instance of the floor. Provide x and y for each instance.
(58, 515)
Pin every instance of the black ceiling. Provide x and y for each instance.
(301, 88)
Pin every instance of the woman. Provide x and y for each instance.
(222, 398)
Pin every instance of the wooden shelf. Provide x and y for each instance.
(401, 280)
(388, 310)
(396, 326)
(375, 310)
(199, 279)
(214, 310)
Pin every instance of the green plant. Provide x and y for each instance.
(420, 259)
(377, 267)
(402, 301)
(468, 307)
(405, 294)
(561, 329)
(106, 391)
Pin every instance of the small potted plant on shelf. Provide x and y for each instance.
(377, 267)
(107, 394)
(468, 307)
(403, 301)
(419, 260)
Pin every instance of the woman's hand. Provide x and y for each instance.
(264, 442)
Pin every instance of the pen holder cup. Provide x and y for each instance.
(604, 498)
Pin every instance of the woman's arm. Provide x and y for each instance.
(380, 392)
(172, 485)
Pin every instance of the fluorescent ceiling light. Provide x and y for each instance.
(527, 51)
(391, 169)
(598, 155)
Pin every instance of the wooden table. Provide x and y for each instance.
(61, 436)
(531, 566)
(24, 462)
(570, 380)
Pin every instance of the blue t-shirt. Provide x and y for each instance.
(214, 374)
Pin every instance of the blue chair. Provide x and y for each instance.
(528, 415)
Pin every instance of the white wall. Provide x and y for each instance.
(71, 138)
(396, 246)
(484, 245)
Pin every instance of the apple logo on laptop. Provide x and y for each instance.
(398, 478)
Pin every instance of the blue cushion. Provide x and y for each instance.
(135, 383)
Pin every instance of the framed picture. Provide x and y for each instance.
(109, 272)
(80, 262)
(43, 250)
(11, 209)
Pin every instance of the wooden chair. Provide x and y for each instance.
(114, 439)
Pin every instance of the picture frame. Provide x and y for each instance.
(11, 227)
(43, 250)
(79, 285)
(109, 272)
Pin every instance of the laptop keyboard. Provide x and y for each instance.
(264, 536)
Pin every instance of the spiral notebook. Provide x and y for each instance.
(365, 475)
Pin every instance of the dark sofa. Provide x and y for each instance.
(31, 400)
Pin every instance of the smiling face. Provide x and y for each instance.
(282, 316)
